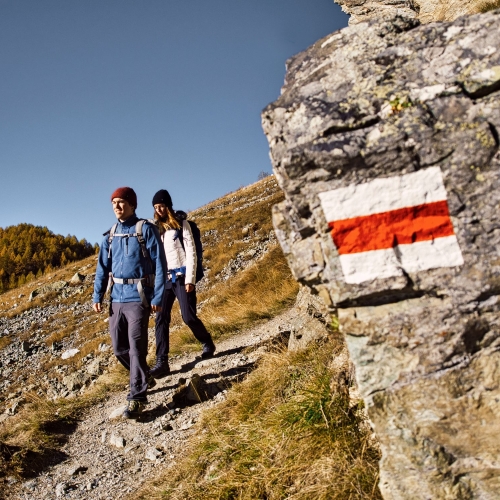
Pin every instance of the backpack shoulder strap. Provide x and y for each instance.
(111, 234)
(140, 237)
(180, 234)
(138, 227)
(195, 230)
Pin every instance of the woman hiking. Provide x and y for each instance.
(180, 252)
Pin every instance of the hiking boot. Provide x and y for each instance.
(133, 410)
(161, 368)
(151, 382)
(208, 350)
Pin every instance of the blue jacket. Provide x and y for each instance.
(127, 261)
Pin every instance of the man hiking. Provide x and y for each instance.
(132, 263)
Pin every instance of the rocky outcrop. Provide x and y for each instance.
(385, 141)
(49, 287)
(367, 10)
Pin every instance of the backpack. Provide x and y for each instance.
(197, 243)
(138, 234)
(148, 280)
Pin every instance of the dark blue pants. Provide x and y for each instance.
(187, 302)
(128, 326)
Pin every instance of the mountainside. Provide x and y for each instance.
(52, 314)
(27, 251)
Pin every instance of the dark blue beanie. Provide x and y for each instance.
(162, 196)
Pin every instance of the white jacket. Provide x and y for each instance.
(176, 256)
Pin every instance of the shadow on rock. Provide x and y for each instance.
(197, 390)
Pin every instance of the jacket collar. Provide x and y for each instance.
(131, 221)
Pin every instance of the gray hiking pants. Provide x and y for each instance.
(128, 326)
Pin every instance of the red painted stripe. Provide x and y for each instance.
(389, 229)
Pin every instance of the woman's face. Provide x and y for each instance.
(161, 209)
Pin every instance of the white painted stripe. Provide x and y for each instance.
(383, 195)
(420, 256)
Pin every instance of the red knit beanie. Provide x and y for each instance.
(125, 193)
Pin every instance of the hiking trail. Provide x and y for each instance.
(109, 457)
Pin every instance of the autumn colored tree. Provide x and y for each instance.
(27, 251)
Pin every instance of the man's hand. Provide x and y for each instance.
(156, 309)
(97, 307)
(189, 287)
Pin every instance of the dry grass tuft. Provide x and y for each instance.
(4, 342)
(444, 10)
(283, 433)
(487, 5)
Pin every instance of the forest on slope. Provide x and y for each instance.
(28, 251)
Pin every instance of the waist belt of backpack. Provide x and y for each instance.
(148, 281)
(178, 271)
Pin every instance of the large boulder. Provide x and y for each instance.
(385, 141)
(57, 286)
(311, 321)
(76, 380)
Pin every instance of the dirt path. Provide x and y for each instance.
(109, 458)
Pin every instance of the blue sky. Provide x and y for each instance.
(96, 94)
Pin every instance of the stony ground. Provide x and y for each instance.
(108, 457)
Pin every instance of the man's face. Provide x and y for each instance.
(122, 209)
(161, 210)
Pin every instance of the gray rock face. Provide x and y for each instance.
(76, 380)
(77, 279)
(312, 323)
(385, 141)
(117, 440)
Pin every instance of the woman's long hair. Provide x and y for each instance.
(168, 222)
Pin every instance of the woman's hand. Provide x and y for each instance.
(155, 309)
(189, 287)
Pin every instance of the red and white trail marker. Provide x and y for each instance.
(390, 226)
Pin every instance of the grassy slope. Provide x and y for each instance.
(258, 292)
(285, 432)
